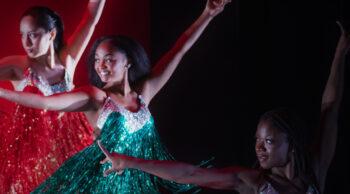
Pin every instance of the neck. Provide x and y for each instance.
(46, 61)
(122, 88)
(287, 171)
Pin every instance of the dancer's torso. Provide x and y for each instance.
(33, 79)
(134, 120)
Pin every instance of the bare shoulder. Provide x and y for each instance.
(96, 93)
(252, 177)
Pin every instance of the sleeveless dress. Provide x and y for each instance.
(268, 189)
(125, 132)
(35, 143)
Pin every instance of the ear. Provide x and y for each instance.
(53, 34)
(128, 64)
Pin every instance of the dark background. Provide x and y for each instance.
(253, 57)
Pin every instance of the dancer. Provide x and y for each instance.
(34, 143)
(120, 67)
(281, 149)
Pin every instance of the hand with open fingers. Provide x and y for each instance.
(344, 40)
(118, 161)
(215, 7)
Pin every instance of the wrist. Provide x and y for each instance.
(132, 162)
(207, 14)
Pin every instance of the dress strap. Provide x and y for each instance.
(143, 103)
(108, 107)
(27, 80)
(68, 80)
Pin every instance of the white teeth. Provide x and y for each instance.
(104, 72)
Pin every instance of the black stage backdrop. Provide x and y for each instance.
(253, 57)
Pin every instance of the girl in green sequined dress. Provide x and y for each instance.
(117, 108)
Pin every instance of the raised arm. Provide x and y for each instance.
(179, 172)
(83, 99)
(168, 63)
(77, 43)
(12, 68)
(326, 139)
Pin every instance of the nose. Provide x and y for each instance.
(259, 145)
(101, 64)
(27, 41)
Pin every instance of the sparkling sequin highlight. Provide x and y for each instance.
(34, 143)
(83, 173)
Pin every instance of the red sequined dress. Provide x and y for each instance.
(34, 143)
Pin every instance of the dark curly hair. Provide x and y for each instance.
(140, 65)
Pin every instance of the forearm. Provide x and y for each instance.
(191, 35)
(23, 98)
(80, 38)
(326, 138)
(174, 171)
(94, 11)
(7, 74)
(166, 66)
(334, 88)
(12, 68)
(76, 101)
(169, 62)
(184, 173)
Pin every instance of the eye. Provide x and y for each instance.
(97, 60)
(109, 60)
(32, 35)
(269, 141)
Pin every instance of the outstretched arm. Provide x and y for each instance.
(80, 38)
(82, 99)
(168, 63)
(179, 172)
(326, 139)
(12, 68)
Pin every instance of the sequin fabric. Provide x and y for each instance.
(33, 79)
(268, 189)
(134, 121)
(35, 143)
(83, 173)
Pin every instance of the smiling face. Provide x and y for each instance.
(272, 146)
(110, 64)
(35, 40)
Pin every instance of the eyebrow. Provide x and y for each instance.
(105, 55)
(32, 31)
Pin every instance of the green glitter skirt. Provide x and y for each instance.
(83, 173)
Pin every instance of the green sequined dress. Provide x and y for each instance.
(125, 132)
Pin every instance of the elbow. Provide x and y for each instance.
(330, 106)
(188, 176)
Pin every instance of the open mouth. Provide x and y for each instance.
(105, 73)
